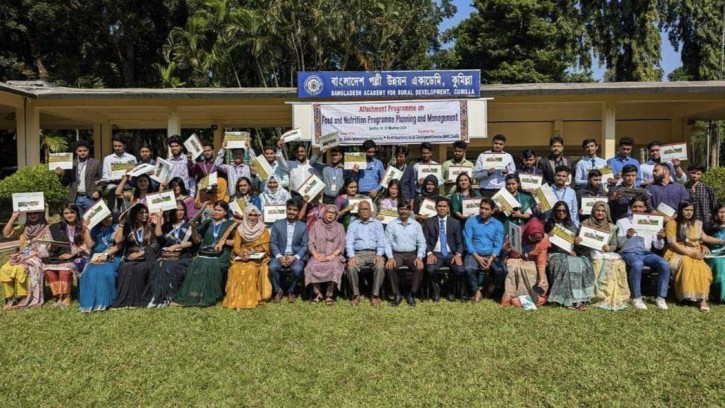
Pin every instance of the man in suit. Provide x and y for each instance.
(289, 250)
(556, 158)
(444, 247)
(83, 178)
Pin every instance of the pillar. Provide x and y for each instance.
(20, 136)
(218, 136)
(173, 125)
(442, 150)
(97, 142)
(609, 134)
(27, 126)
(106, 145)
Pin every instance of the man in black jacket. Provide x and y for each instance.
(548, 164)
(83, 178)
(444, 246)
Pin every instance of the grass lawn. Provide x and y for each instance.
(312, 355)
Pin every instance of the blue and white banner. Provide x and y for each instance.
(390, 84)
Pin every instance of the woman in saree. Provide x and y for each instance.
(326, 245)
(526, 208)
(611, 289)
(179, 188)
(97, 285)
(526, 272)
(210, 195)
(22, 274)
(174, 236)
(464, 190)
(717, 262)
(67, 254)
(204, 278)
(571, 278)
(248, 284)
(686, 254)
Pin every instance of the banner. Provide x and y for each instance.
(409, 122)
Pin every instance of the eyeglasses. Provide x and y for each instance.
(253, 215)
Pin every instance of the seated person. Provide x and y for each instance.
(404, 246)
(365, 245)
(444, 247)
(526, 271)
(327, 264)
(483, 236)
(289, 250)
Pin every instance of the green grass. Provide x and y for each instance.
(312, 355)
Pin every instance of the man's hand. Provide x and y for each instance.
(457, 260)
(418, 263)
(355, 168)
(353, 261)
(430, 259)
(491, 171)
(390, 264)
(280, 143)
(379, 260)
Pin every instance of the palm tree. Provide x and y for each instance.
(50, 142)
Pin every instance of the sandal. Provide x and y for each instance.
(329, 301)
(581, 307)
(704, 308)
(317, 299)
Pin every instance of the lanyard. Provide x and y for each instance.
(216, 229)
(71, 232)
(138, 235)
(563, 193)
(207, 170)
(81, 166)
(105, 236)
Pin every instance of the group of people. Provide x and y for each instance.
(205, 251)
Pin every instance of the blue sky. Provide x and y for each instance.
(670, 57)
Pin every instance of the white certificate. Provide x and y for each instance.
(505, 201)
(163, 201)
(607, 173)
(392, 173)
(672, 151)
(311, 187)
(208, 181)
(355, 202)
(236, 140)
(588, 204)
(237, 206)
(60, 160)
(666, 210)
(425, 170)
(29, 202)
(143, 168)
(545, 196)
(470, 207)
(592, 238)
(530, 181)
(648, 223)
(428, 208)
(292, 135)
(514, 233)
(562, 237)
(193, 146)
(262, 167)
(352, 159)
(162, 171)
(118, 170)
(273, 213)
(330, 140)
(97, 213)
(496, 161)
(455, 171)
(389, 215)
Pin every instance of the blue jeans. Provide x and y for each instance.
(275, 268)
(476, 278)
(83, 203)
(635, 261)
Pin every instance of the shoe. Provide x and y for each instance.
(291, 298)
(660, 302)
(410, 299)
(704, 307)
(477, 297)
(355, 300)
(451, 297)
(278, 297)
(639, 304)
(436, 291)
(397, 299)
(375, 301)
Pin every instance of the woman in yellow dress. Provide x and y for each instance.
(248, 283)
(685, 253)
(22, 274)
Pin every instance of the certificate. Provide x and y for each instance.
(162, 171)
(193, 146)
(455, 171)
(60, 160)
(392, 173)
(254, 256)
(163, 201)
(311, 187)
(496, 161)
(588, 203)
(607, 173)
(530, 182)
(118, 170)
(29, 202)
(292, 135)
(273, 213)
(262, 167)
(470, 206)
(514, 233)
(425, 170)
(208, 181)
(389, 215)
(672, 151)
(562, 237)
(593, 239)
(237, 206)
(236, 140)
(505, 201)
(355, 202)
(352, 159)
(545, 196)
(666, 210)
(143, 168)
(330, 140)
(428, 208)
(97, 213)
(648, 223)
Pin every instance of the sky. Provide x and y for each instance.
(670, 58)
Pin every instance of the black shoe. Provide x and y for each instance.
(410, 299)
(397, 299)
(436, 291)
(451, 297)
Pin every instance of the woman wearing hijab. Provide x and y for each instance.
(67, 256)
(97, 286)
(248, 283)
(526, 274)
(273, 193)
(326, 245)
(429, 191)
(611, 290)
(22, 274)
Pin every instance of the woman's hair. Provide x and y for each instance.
(639, 197)
(80, 231)
(133, 222)
(680, 217)
(391, 184)
(178, 181)
(171, 214)
(345, 184)
(552, 216)
(718, 207)
(150, 189)
(683, 225)
(223, 204)
(249, 183)
(458, 182)
(513, 176)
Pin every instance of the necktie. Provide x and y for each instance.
(442, 237)
(593, 165)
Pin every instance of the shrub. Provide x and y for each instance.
(32, 179)
(715, 178)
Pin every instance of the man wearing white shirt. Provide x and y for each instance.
(119, 156)
(589, 161)
(180, 164)
(444, 244)
(299, 170)
(565, 193)
(235, 170)
(426, 154)
(493, 180)
(647, 168)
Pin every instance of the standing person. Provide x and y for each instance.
(618, 200)
(663, 190)
(701, 196)
(556, 158)
(178, 186)
(172, 233)
(281, 175)
(565, 193)
(444, 247)
(22, 274)
(365, 245)
(326, 244)
(717, 263)
(342, 202)
(464, 190)
(528, 163)
(685, 253)
(404, 246)
(458, 160)
(181, 166)
(289, 245)
(636, 249)
(139, 258)
(589, 161)
(491, 179)
(526, 272)
(145, 155)
(206, 165)
(234, 170)
(119, 156)
(426, 158)
(623, 158)
(97, 285)
(204, 278)
(647, 168)
(274, 193)
(333, 174)
(83, 179)
(408, 183)
(248, 285)
(66, 258)
(593, 188)
(483, 237)
(299, 170)
(369, 178)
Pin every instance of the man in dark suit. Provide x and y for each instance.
(289, 250)
(83, 178)
(548, 164)
(444, 246)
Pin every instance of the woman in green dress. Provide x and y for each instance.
(464, 190)
(717, 262)
(204, 278)
(521, 214)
